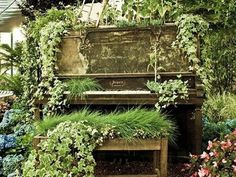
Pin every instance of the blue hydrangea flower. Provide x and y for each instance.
(2, 142)
(10, 141)
(8, 118)
(7, 141)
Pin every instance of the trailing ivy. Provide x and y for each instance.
(190, 29)
(67, 151)
(40, 54)
(168, 91)
(48, 46)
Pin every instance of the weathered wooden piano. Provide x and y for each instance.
(118, 58)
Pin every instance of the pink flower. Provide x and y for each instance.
(234, 168)
(224, 161)
(205, 156)
(194, 174)
(215, 154)
(225, 145)
(215, 164)
(209, 145)
(203, 172)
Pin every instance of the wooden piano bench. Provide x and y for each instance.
(159, 147)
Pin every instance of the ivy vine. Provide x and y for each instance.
(49, 85)
(40, 55)
(190, 29)
(169, 91)
(67, 151)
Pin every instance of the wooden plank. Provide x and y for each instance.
(134, 145)
(119, 144)
(163, 158)
(127, 176)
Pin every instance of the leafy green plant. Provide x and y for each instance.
(11, 83)
(72, 139)
(218, 71)
(220, 107)
(149, 12)
(168, 91)
(11, 163)
(110, 15)
(10, 57)
(67, 151)
(213, 130)
(77, 87)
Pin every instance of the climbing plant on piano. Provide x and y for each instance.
(40, 54)
(190, 29)
(169, 91)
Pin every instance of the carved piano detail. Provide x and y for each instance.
(118, 58)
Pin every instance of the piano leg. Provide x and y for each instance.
(197, 131)
(37, 112)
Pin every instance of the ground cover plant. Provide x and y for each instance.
(72, 139)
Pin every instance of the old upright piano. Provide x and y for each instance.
(119, 59)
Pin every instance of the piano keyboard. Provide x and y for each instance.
(123, 92)
(115, 92)
(4, 93)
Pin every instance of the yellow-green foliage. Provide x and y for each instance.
(220, 107)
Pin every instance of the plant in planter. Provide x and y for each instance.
(68, 149)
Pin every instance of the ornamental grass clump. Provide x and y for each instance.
(218, 161)
(138, 123)
(220, 107)
(77, 87)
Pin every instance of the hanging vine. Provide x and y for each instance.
(40, 55)
(190, 29)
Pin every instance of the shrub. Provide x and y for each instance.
(212, 130)
(218, 161)
(220, 107)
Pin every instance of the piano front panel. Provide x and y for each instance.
(119, 50)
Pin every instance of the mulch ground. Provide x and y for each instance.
(137, 167)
